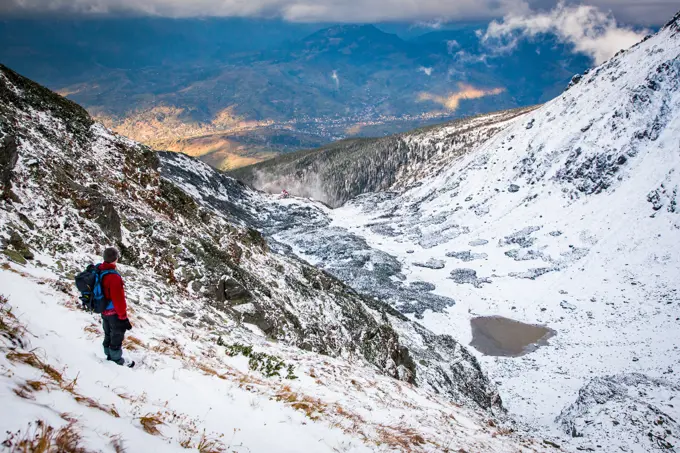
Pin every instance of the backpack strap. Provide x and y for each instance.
(100, 277)
(107, 272)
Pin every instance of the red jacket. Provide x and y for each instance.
(114, 290)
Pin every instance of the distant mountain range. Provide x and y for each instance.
(237, 91)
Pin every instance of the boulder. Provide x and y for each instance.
(464, 275)
(9, 155)
(567, 306)
(432, 263)
(574, 80)
(109, 220)
(232, 291)
(14, 257)
(19, 246)
(467, 255)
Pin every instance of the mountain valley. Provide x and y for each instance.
(563, 216)
(501, 282)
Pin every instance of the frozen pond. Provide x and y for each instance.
(504, 337)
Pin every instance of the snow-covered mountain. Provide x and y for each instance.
(240, 345)
(565, 216)
(343, 170)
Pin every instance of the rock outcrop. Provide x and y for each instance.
(625, 412)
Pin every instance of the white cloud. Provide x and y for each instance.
(590, 30)
(464, 57)
(452, 45)
(335, 78)
(426, 71)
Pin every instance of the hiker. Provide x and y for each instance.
(114, 316)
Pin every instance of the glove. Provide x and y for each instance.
(126, 323)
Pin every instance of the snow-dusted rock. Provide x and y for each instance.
(432, 263)
(627, 412)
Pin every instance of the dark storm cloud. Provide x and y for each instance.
(640, 11)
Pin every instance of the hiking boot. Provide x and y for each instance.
(125, 362)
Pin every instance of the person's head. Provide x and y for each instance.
(111, 255)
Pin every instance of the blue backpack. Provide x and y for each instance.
(89, 283)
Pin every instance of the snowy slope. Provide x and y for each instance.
(567, 217)
(187, 393)
(240, 345)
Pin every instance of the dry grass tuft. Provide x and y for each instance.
(124, 396)
(67, 440)
(23, 392)
(401, 437)
(150, 423)
(10, 327)
(312, 407)
(27, 389)
(185, 442)
(207, 445)
(39, 437)
(68, 417)
(32, 359)
(209, 371)
(117, 444)
(356, 422)
(133, 343)
(36, 386)
(89, 402)
(93, 329)
(249, 382)
(70, 386)
(168, 346)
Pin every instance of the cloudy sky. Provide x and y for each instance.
(645, 12)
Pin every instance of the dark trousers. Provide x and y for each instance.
(114, 333)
